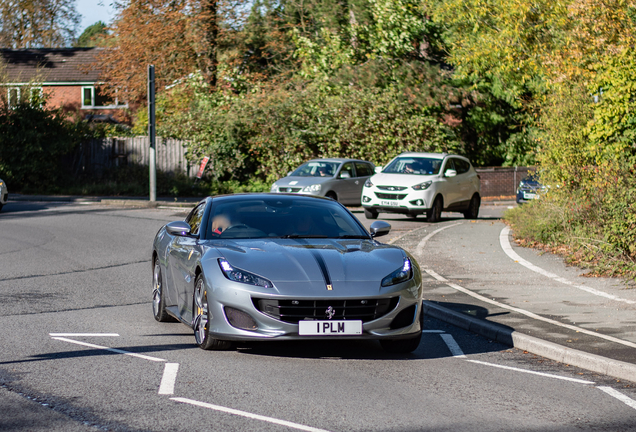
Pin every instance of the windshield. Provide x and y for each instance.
(285, 217)
(414, 165)
(317, 169)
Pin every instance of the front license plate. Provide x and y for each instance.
(390, 203)
(329, 328)
(529, 195)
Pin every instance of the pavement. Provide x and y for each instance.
(478, 279)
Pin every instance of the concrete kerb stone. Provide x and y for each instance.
(496, 332)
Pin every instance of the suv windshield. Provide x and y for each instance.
(414, 165)
(316, 169)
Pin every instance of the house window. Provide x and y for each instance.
(93, 98)
(14, 93)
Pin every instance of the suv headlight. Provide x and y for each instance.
(242, 276)
(400, 275)
(368, 183)
(312, 188)
(422, 186)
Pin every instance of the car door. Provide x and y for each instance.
(184, 252)
(363, 172)
(464, 183)
(450, 184)
(345, 184)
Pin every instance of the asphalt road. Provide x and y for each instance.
(81, 351)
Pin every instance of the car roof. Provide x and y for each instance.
(339, 160)
(265, 195)
(430, 155)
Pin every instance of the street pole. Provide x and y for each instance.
(151, 133)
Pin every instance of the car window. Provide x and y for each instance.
(316, 169)
(194, 219)
(414, 165)
(461, 166)
(347, 168)
(450, 165)
(363, 169)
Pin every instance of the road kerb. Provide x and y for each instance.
(551, 350)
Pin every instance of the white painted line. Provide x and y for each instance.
(532, 372)
(620, 396)
(420, 246)
(528, 313)
(115, 350)
(507, 248)
(455, 350)
(169, 379)
(248, 415)
(83, 334)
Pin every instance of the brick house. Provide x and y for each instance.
(63, 75)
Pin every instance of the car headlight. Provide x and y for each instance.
(402, 274)
(242, 276)
(422, 186)
(312, 188)
(368, 183)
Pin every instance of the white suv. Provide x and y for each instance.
(419, 183)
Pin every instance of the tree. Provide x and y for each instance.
(37, 23)
(93, 35)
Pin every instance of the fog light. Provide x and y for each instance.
(418, 202)
(366, 199)
(240, 319)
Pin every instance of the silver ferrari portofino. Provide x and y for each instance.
(253, 267)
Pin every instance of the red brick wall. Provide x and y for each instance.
(501, 181)
(67, 97)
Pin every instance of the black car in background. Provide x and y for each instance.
(529, 189)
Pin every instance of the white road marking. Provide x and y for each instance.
(507, 248)
(169, 379)
(115, 350)
(248, 415)
(420, 246)
(620, 396)
(83, 334)
(532, 372)
(455, 350)
(528, 313)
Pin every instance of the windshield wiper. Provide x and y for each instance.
(353, 236)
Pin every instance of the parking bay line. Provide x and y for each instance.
(618, 395)
(169, 379)
(248, 415)
(84, 334)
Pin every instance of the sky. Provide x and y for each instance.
(93, 11)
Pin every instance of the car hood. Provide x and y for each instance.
(298, 181)
(352, 267)
(407, 180)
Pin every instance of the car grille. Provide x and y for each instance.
(292, 311)
(392, 188)
(390, 196)
(289, 189)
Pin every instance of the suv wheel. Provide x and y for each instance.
(370, 214)
(434, 214)
(473, 208)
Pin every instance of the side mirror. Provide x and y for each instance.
(178, 228)
(380, 228)
(378, 169)
(345, 174)
(450, 173)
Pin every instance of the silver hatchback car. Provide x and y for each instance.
(336, 178)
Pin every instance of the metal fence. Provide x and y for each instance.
(99, 154)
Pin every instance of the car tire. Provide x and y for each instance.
(370, 214)
(158, 295)
(401, 346)
(332, 195)
(473, 207)
(201, 318)
(434, 214)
